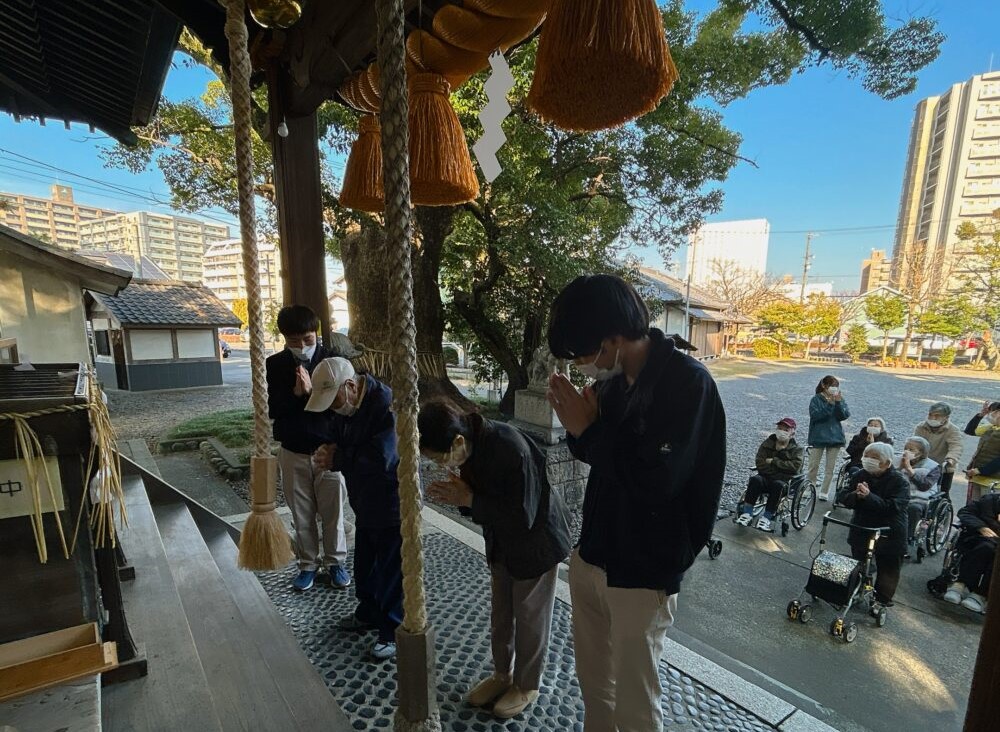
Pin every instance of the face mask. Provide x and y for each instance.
(459, 453)
(874, 430)
(833, 390)
(871, 465)
(783, 435)
(347, 409)
(935, 422)
(303, 354)
(593, 371)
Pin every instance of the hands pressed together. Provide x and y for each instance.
(322, 459)
(576, 410)
(453, 491)
(862, 490)
(303, 384)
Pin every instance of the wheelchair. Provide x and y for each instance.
(844, 474)
(796, 507)
(842, 582)
(934, 528)
(949, 566)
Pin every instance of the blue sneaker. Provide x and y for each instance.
(339, 577)
(304, 580)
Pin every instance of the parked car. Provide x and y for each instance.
(226, 348)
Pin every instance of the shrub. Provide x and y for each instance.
(947, 357)
(765, 348)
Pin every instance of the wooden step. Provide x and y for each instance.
(311, 703)
(245, 695)
(175, 695)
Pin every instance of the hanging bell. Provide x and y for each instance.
(275, 13)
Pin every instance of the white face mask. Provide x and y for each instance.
(833, 390)
(303, 354)
(874, 430)
(456, 456)
(871, 465)
(347, 409)
(935, 422)
(593, 371)
(783, 435)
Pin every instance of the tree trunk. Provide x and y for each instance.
(885, 345)
(908, 336)
(366, 269)
(808, 347)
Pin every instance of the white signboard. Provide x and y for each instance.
(16, 496)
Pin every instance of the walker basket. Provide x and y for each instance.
(834, 578)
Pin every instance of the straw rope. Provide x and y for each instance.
(240, 70)
(395, 167)
(102, 463)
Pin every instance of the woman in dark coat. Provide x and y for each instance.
(501, 484)
(873, 431)
(879, 494)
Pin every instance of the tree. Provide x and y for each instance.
(923, 275)
(820, 318)
(241, 310)
(745, 290)
(982, 267)
(950, 317)
(886, 313)
(781, 320)
(566, 202)
(857, 341)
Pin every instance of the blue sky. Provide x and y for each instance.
(830, 154)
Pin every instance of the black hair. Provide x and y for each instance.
(828, 380)
(439, 422)
(591, 309)
(994, 406)
(295, 320)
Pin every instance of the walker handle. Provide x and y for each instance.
(828, 519)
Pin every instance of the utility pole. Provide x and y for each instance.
(805, 267)
(687, 310)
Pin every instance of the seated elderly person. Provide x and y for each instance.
(879, 494)
(779, 459)
(945, 439)
(873, 431)
(922, 474)
(977, 545)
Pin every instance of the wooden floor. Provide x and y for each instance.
(220, 656)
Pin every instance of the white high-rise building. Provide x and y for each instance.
(952, 177)
(224, 271)
(729, 245)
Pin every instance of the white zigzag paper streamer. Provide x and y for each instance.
(492, 116)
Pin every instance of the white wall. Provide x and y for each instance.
(151, 345)
(197, 344)
(743, 243)
(43, 311)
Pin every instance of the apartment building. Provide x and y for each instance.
(952, 176)
(176, 244)
(223, 273)
(875, 271)
(740, 245)
(55, 220)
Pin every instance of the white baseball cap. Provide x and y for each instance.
(328, 377)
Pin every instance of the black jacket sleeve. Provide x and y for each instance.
(856, 448)
(970, 428)
(981, 513)
(281, 400)
(892, 503)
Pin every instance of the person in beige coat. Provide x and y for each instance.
(945, 439)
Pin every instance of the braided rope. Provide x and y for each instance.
(239, 71)
(395, 167)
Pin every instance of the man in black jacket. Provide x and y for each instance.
(308, 492)
(653, 431)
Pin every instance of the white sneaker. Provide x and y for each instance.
(764, 523)
(744, 519)
(823, 496)
(956, 593)
(975, 603)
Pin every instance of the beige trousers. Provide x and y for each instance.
(618, 635)
(308, 493)
(816, 454)
(520, 622)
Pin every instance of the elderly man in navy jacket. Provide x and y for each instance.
(653, 431)
(359, 435)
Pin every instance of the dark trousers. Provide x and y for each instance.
(888, 565)
(761, 484)
(976, 566)
(378, 579)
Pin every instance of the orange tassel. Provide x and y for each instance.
(362, 189)
(600, 63)
(441, 171)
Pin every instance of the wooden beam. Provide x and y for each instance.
(299, 201)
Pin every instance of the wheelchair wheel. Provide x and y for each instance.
(850, 633)
(805, 614)
(714, 548)
(803, 505)
(792, 611)
(940, 527)
(881, 618)
(784, 528)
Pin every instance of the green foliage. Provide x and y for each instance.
(857, 341)
(947, 357)
(949, 317)
(782, 318)
(233, 428)
(885, 312)
(983, 274)
(766, 348)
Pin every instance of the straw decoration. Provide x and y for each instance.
(601, 63)
(362, 189)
